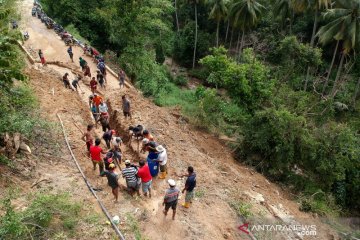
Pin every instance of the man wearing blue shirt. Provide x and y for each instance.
(189, 187)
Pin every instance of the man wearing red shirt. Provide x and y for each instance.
(95, 153)
(146, 179)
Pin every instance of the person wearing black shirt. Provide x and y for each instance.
(189, 187)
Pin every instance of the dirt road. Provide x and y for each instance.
(225, 189)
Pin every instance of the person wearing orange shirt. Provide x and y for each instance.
(96, 101)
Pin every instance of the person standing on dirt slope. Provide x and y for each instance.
(145, 176)
(147, 135)
(116, 143)
(97, 100)
(126, 107)
(42, 58)
(103, 109)
(93, 85)
(129, 173)
(121, 77)
(87, 71)
(171, 198)
(162, 159)
(95, 153)
(82, 63)
(66, 81)
(88, 137)
(75, 82)
(71, 54)
(189, 187)
(112, 178)
(104, 121)
(107, 136)
(100, 78)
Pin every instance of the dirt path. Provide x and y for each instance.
(222, 182)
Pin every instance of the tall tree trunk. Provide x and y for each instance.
(330, 68)
(231, 38)
(312, 41)
(196, 36)
(356, 91)
(227, 31)
(176, 17)
(237, 44)
(217, 33)
(241, 44)
(333, 91)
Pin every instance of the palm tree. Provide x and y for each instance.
(246, 15)
(345, 28)
(218, 12)
(283, 9)
(195, 3)
(316, 5)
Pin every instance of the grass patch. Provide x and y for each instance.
(134, 227)
(52, 216)
(242, 209)
(199, 193)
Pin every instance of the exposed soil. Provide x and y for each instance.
(221, 180)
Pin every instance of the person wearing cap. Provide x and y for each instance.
(107, 136)
(189, 187)
(116, 143)
(126, 107)
(171, 198)
(162, 159)
(112, 178)
(145, 176)
(130, 175)
(147, 135)
(95, 153)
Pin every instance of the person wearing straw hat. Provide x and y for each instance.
(130, 175)
(171, 198)
(112, 178)
(162, 159)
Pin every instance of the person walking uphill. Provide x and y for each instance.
(71, 54)
(95, 153)
(189, 187)
(82, 63)
(171, 198)
(126, 107)
(112, 178)
(42, 58)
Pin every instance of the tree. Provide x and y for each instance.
(343, 28)
(218, 12)
(283, 9)
(195, 3)
(316, 5)
(246, 15)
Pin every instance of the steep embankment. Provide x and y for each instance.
(225, 189)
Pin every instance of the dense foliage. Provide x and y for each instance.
(285, 81)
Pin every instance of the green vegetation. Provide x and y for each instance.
(242, 209)
(133, 225)
(48, 216)
(281, 76)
